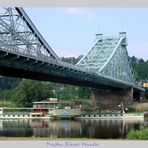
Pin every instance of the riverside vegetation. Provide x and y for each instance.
(141, 134)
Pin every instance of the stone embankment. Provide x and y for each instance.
(139, 106)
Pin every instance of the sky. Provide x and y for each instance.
(71, 31)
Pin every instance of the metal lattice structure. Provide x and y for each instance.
(24, 53)
(18, 34)
(109, 57)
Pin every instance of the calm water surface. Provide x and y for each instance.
(101, 129)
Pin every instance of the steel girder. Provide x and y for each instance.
(24, 52)
(109, 57)
(19, 35)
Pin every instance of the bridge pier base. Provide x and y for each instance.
(112, 99)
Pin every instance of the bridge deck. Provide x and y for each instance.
(21, 65)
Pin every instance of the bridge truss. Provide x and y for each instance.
(24, 53)
(109, 57)
(18, 34)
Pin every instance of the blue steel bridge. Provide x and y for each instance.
(24, 53)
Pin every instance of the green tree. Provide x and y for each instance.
(84, 93)
(29, 91)
(133, 61)
(71, 92)
(8, 83)
(142, 70)
(71, 60)
(146, 94)
(66, 92)
(5, 95)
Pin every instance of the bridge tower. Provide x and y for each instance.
(109, 57)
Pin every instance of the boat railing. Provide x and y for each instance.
(15, 113)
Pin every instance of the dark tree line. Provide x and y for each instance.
(140, 68)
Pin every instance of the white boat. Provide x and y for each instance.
(52, 108)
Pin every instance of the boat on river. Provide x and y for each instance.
(51, 108)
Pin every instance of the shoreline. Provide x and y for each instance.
(92, 117)
(55, 139)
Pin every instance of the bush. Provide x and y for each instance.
(143, 100)
(7, 104)
(141, 134)
(132, 110)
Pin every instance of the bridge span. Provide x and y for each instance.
(105, 68)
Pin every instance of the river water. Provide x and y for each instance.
(100, 129)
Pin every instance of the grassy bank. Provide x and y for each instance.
(141, 134)
(33, 138)
(6, 104)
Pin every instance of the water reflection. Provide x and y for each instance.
(15, 128)
(56, 128)
(101, 129)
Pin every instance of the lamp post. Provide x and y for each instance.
(122, 107)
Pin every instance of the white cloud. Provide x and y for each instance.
(73, 10)
(81, 12)
(68, 55)
(71, 55)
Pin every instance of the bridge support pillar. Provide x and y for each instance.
(112, 99)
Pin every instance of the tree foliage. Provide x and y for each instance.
(140, 68)
(31, 90)
(8, 83)
(71, 92)
(5, 95)
(71, 60)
